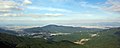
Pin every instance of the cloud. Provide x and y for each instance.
(7, 6)
(49, 9)
(112, 5)
(8, 14)
(12, 7)
(82, 3)
(32, 15)
(56, 14)
(87, 5)
(27, 2)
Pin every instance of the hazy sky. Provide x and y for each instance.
(58, 11)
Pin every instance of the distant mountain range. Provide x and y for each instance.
(57, 28)
(46, 29)
(49, 29)
(75, 24)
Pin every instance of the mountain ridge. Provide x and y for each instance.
(59, 28)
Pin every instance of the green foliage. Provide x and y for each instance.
(107, 38)
(25, 42)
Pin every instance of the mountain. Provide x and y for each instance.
(105, 24)
(108, 24)
(108, 38)
(11, 41)
(8, 40)
(8, 31)
(117, 31)
(56, 28)
(4, 44)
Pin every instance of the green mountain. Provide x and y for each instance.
(108, 38)
(11, 41)
(8, 31)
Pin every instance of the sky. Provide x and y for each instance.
(41, 12)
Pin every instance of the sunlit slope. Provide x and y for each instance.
(108, 38)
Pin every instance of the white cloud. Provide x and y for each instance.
(4, 11)
(112, 5)
(32, 15)
(56, 14)
(11, 7)
(27, 2)
(49, 9)
(7, 6)
(81, 3)
(87, 5)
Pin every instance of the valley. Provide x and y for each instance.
(52, 35)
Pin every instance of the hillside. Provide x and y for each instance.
(7, 31)
(11, 41)
(108, 38)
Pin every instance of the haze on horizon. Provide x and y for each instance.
(59, 11)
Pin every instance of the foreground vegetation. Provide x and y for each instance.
(10, 41)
